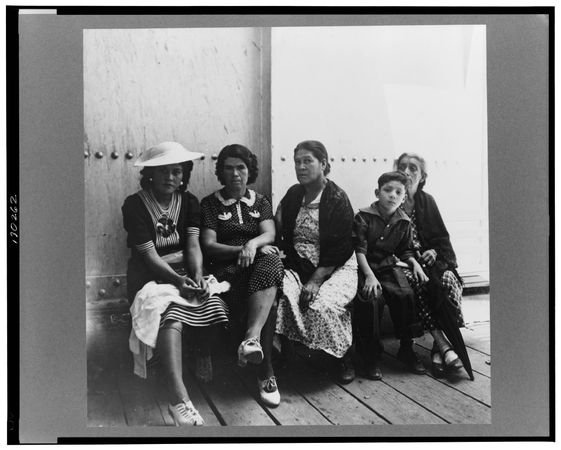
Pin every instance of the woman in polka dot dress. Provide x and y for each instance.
(237, 232)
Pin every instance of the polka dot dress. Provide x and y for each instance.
(235, 223)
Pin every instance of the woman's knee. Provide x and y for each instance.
(173, 325)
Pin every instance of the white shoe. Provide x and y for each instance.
(184, 413)
(269, 392)
(250, 351)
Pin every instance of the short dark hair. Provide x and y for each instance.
(147, 172)
(318, 150)
(241, 152)
(421, 160)
(397, 175)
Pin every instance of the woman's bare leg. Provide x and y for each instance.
(259, 306)
(265, 369)
(169, 347)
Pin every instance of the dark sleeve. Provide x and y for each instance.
(337, 246)
(360, 234)
(136, 221)
(435, 233)
(265, 210)
(209, 215)
(405, 248)
(193, 211)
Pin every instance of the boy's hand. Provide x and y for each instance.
(372, 287)
(419, 275)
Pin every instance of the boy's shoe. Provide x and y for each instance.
(373, 371)
(269, 392)
(407, 356)
(185, 414)
(250, 351)
(203, 368)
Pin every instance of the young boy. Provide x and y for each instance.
(382, 238)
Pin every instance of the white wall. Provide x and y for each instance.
(371, 93)
(202, 87)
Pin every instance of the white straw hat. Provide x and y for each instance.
(166, 153)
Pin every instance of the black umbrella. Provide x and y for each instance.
(444, 313)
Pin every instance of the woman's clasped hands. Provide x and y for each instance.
(191, 289)
(428, 257)
(309, 292)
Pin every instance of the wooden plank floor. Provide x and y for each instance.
(310, 394)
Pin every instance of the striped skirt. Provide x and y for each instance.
(212, 312)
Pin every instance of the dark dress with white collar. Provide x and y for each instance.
(235, 223)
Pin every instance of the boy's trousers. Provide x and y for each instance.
(400, 298)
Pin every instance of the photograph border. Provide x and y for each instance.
(50, 99)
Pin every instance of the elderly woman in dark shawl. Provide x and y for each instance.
(436, 254)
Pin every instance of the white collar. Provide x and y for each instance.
(249, 201)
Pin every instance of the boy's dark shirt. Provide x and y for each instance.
(380, 240)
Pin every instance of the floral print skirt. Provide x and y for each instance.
(326, 323)
(453, 288)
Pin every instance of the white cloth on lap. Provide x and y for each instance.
(146, 310)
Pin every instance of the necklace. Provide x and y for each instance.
(165, 225)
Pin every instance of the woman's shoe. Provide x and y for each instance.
(250, 351)
(184, 414)
(345, 370)
(452, 360)
(437, 364)
(203, 368)
(269, 392)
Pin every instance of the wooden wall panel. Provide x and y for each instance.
(200, 87)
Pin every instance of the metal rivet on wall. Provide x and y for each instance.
(202, 157)
(116, 282)
(343, 158)
(332, 159)
(102, 292)
(283, 158)
(128, 155)
(114, 155)
(214, 157)
(88, 284)
(354, 159)
(385, 159)
(99, 155)
(363, 159)
(374, 159)
(86, 154)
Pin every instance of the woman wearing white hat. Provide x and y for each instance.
(165, 274)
